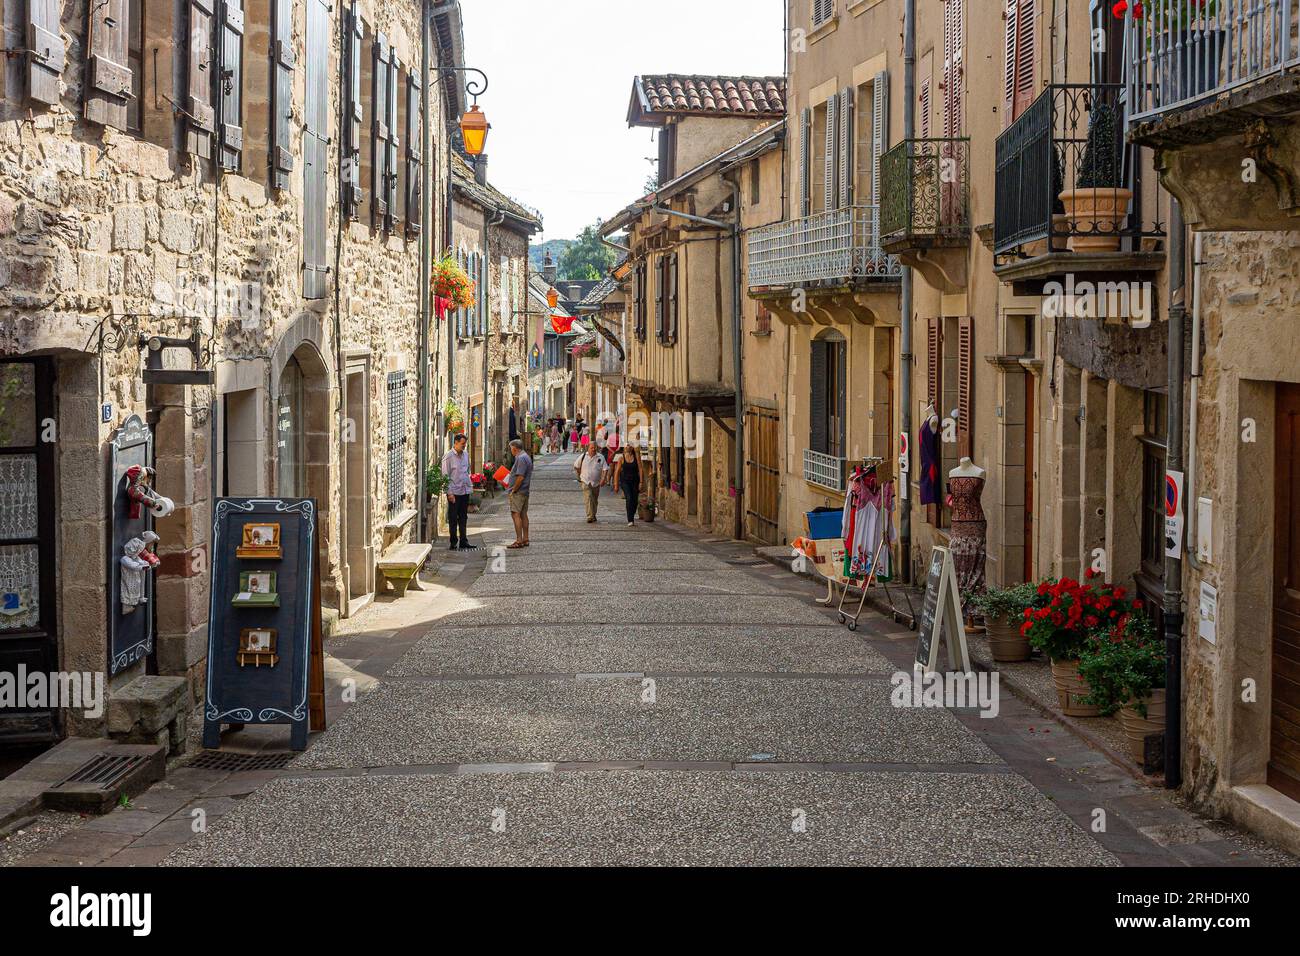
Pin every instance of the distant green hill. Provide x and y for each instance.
(555, 247)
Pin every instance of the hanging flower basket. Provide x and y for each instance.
(589, 350)
(452, 284)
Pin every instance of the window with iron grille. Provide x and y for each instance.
(396, 440)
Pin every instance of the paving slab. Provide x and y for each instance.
(619, 586)
(733, 719)
(722, 609)
(661, 648)
(630, 817)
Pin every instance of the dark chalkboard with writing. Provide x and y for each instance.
(929, 608)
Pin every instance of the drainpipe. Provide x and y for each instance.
(1173, 567)
(1193, 530)
(734, 230)
(905, 347)
(426, 256)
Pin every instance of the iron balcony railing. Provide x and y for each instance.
(924, 185)
(839, 245)
(1070, 138)
(1184, 51)
(822, 469)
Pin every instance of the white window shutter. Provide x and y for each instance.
(846, 147)
(880, 129)
(832, 127)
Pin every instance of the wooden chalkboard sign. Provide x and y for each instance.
(941, 617)
(130, 636)
(244, 686)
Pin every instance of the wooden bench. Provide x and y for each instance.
(400, 565)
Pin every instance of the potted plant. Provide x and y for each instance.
(1097, 205)
(1003, 610)
(1125, 670)
(452, 286)
(645, 508)
(1059, 628)
(435, 484)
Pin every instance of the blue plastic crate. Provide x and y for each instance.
(828, 523)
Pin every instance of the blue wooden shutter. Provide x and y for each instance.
(414, 151)
(354, 193)
(230, 83)
(379, 132)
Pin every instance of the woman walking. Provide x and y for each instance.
(555, 437)
(627, 478)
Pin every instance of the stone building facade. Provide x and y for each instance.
(140, 200)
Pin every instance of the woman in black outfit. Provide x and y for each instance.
(627, 477)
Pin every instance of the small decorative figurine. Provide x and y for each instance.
(138, 490)
(261, 541)
(133, 575)
(256, 589)
(150, 542)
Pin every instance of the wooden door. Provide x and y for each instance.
(762, 475)
(1284, 730)
(1031, 469)
(28, 622)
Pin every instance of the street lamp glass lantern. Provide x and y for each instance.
(474, 129)
(552, 297)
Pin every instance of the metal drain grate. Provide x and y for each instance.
(240, 763)
(103, 771)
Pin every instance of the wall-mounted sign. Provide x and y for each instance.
(1173, 514)
(1209, 612)
(130, 621)
(265, 657)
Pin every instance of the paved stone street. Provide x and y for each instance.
(526, 705)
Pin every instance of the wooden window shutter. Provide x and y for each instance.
(315, 150)
(831, 194)
(199, 82)
(108, 78)
(953, 43)
(1021, 55)
(880, 129)
(379, 133)
(818, 437)
(673, 298)
(934, 362)
(283, 62)
(659, 297)
(965, 382)
(1009, 62)
(846, 147)
(484, 305)
(805, 172)
(46, 51)
(354, 194)
(230, 83)
(414, 149)
(391, 165)
(924, 108)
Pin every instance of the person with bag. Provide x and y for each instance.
(590, 469)
(627, 479)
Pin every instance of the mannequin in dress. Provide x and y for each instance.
(969, 529)
(928, 444)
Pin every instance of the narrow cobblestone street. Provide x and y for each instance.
(527, 706)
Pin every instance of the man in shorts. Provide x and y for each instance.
(520, 480)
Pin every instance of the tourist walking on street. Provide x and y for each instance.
(455, 465)
(591, 468)
(555, 437)
(627, 479)
(520, 478)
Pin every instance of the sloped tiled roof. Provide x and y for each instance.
(599, 292)
(489, 196)
(672, 93)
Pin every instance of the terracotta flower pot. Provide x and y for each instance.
(1137, 728)
(1005, 643)
(1072, 689)
(1097, 213)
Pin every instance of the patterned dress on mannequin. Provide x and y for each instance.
(967, 537)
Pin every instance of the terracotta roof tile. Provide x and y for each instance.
(748, 95)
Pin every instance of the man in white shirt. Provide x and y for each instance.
(591, 467)
(455, 465)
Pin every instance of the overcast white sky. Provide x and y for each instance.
(560, 78)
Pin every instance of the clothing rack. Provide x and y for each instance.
(882, 547)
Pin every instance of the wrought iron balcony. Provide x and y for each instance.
(824, 470)
(1066, 182)
(1182, 53)
(839, 246)
(925, 187)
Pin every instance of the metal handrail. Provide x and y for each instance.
(835, 245)
(1181, 52)
(925, 188)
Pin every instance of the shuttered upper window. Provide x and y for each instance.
(379, 130)
(414, 148)
(354, 192)
(230, 83)
(108, 85)
(283, 62)
(827, 407)
(822, 10)
(953, 52)
(46, 53)
(200, 120)
(1020, 58)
